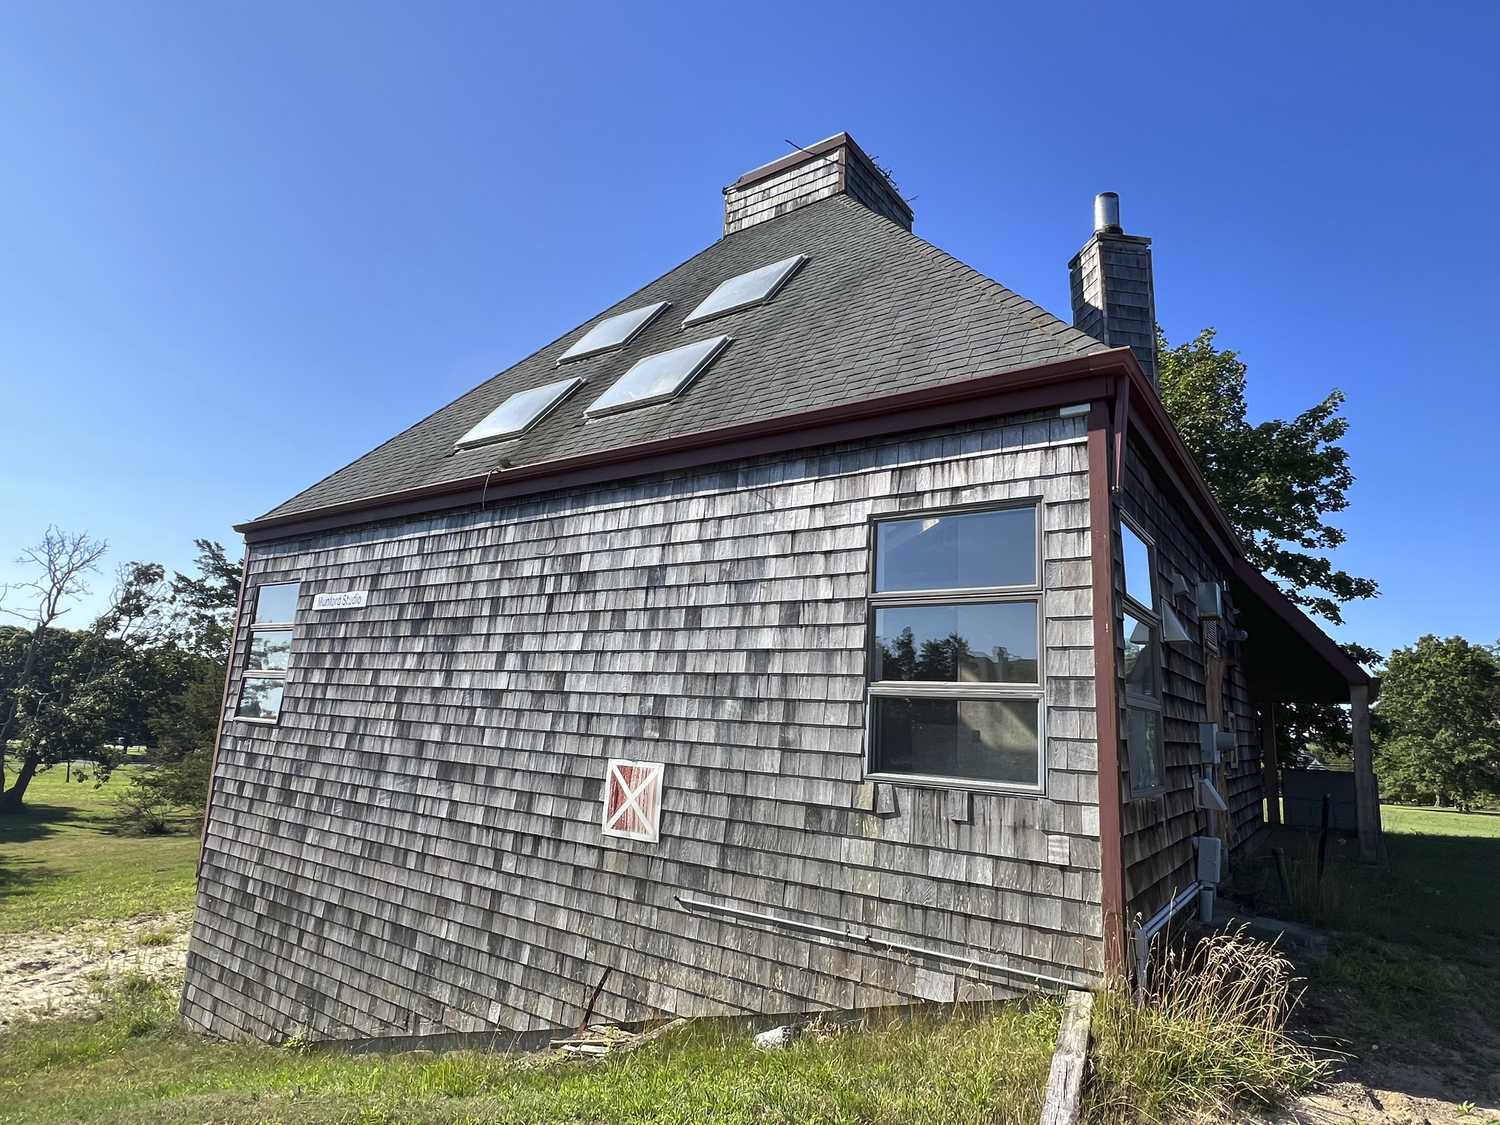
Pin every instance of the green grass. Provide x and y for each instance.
(61, 863)
(1414, 956)
(126, 1063)
(1439, 822)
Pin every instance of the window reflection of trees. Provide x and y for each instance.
(949, 660)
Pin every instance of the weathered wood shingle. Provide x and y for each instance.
(416, 846)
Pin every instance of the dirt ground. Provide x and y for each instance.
(51, 974)
(1355, 1103)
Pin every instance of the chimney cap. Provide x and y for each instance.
(1107, 213)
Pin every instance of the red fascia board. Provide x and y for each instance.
(1089, 378)
(1076, 380)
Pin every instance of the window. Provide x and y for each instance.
(270, 644)
(518, 413)
(658, 377)
(1141, 637)
(615, 332)
(747, 289)
(955, 649)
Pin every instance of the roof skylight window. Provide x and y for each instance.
(518, 413)
(748, 289)
(615, 332)
(658, 377)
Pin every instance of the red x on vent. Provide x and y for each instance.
(632, 800)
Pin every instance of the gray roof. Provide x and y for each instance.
(874, 310)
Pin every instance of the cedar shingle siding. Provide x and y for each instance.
(416, 847)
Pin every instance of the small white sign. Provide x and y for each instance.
(349, 599)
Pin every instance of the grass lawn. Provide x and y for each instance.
(1439, 822)
(61, 863)
(130, 1066)
(1413, 970)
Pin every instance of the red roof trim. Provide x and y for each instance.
(1090, 378)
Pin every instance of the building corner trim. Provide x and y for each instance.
(1106, 689)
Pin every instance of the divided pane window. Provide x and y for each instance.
(1141, 662)
(955, 648)
(970, 550)
(1137, 559)
(264, 681)
(1143, 738)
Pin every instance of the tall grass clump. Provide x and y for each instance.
(1210, 1032)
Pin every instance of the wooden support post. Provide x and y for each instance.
(1065, 1080)
(1270, 767)
(1366, 791)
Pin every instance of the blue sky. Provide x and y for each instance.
(241, 244)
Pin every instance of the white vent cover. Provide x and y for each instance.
(632, 800)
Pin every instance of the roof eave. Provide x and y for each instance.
(1076, 379)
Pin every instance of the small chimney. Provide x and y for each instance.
(1114, 298)
(836, 166)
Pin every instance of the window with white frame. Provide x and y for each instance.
(1141, 633)
(264, 681)
(955, 643)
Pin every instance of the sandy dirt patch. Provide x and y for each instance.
(53, 974)
(1354, 1103)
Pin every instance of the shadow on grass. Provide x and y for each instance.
(39, 822)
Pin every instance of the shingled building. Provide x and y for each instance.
(822, 626)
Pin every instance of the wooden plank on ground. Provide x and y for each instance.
(1065, 1080)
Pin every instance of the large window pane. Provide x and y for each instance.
(1141, 672)
(975, 739)
(1137, 567)
(260, 698)
(268, 649)
(1143, 734)
(957, 552)
(995, 643)
(276, 604)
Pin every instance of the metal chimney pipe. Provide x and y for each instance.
(1107, 212)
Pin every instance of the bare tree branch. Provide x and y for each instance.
(62, 562)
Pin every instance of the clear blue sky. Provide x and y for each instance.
(241, 244)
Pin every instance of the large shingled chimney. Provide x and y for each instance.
(1114, 299)
(836, 166)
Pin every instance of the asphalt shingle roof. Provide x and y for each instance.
(874, 310)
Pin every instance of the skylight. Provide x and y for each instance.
(615, 332)
(658, 377)
(518, 413)
(748, 289)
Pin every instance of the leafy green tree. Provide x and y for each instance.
(185, 722)
(1440, 710)
(1277, 481)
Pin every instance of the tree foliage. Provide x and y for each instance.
(1276, 481)
(1440, 717)
(148, 671)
